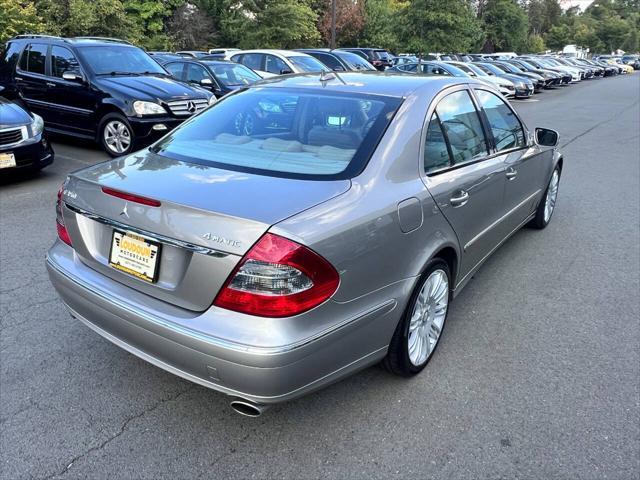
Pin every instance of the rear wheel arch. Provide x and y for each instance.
(449, 255)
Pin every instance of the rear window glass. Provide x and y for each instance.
(284, 132)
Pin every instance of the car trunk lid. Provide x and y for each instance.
(204, 221)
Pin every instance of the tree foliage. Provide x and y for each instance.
(18, 17)
(505, 26)
(439, 26)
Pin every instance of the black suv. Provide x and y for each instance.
(97, 88)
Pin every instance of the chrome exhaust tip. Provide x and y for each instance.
(247, 408)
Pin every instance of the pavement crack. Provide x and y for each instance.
(123, 428)
(590, 129)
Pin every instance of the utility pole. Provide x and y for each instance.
(333, 24)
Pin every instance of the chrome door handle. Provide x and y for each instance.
(19, 79)
(49, 84)
(511, 173)
(460, 200)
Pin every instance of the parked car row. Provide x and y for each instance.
(124, 98)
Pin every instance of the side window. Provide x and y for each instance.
(195, 73)
(33, 59)
(505, 126)
(275, 65)
(436, 153)
(329, 60)
(436, 70)
(175, 69)
(462, 127)
(252, 60)
(62, 60)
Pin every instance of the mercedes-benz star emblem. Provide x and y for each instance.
(191, 107)
(124, 212)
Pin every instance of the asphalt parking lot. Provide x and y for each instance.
(537, 375)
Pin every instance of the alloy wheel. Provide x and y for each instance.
(428, 316)
(117, 136)
(552, 195)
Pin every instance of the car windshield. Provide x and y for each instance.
(477, 70)
(308, 63)
(465, 69)
(119, 60)
(284, 132)
(355, 62)
(492, 68)
(233, 74)
(526, 65)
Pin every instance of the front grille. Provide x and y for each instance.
(184, 108)
(8, 137)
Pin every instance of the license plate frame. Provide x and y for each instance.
(132, 258)
(7, 160)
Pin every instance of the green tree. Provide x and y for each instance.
(535, 44)
(381, 19)
(18, 17)
(439, 26)
(506, 26)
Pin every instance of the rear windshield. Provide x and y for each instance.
(284, 132)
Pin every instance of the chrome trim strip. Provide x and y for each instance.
(164, 239)
(495, 224)
(215, 341)
(59, 106)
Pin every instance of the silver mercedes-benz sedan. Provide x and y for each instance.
(301, 229)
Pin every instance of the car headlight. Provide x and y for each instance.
(147, 108)
(37, 125)
(212, 100)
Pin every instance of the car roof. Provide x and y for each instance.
(372, 83)
(284, 53)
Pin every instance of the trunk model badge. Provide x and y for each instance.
(217, 239)
(124, 212)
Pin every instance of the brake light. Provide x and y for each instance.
(278, 278)
(62, 230)
(130, 197)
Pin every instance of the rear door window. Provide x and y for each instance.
(285, 132)
(436, 152)
(34, 58)
(462, 127)
(252, 60)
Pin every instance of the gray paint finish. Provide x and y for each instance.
(378, 242)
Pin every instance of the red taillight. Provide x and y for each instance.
(278, 278)
(131, 198)
(62, 230)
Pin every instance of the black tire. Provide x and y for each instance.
(397, 360)
(113, 150)
(540, 221)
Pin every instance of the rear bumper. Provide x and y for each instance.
(260, 374)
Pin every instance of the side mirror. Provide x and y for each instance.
(206, 82)
(71, 76)
(285, 71)
(547, 137)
